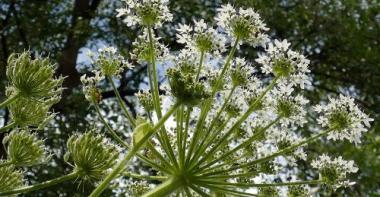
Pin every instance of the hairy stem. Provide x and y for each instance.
(121, 165)
(42, 185)
(200, 65)
(122, 104)
(166, 188)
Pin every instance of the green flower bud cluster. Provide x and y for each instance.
(25, 149)
(91, 156)
(25, 112)
(298, 191)
(109, 62)
(146, 100)
(185, 88)
(33, 79)
(10, 178)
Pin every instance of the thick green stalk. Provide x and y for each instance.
(42, 185)
(200, 65)
(269, 157)
(122, 104)
(122, 142)
(121, 165)
(9, 100)
(145, 177)
(242, 145)
(166, 188)
(7, 127)
(249, 185)
(206, 107)
(250, 110)
(210, 130)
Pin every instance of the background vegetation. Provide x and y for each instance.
(340, 37)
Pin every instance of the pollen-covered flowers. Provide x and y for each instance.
(334, 171)
(145, 12)
(344, 117)
(290, 66)
(242, 24)
(201, 38)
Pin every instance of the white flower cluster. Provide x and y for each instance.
(90, 90)
(201, 38)
(334, 171)
(109, 61)
(283, 62)
(149, 13)
(344, 117)
(142, 49)
(243, 24)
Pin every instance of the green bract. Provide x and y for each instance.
(25, 112)
(25, 149)
(92, 157)
(33, 78)
(10, 178)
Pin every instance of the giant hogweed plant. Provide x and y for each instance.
(214, 129)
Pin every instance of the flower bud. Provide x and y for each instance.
(33, 78)
(25, 149)
(146, 100)
(110, 63)
(185, 88)
(298, 191)
(91, 155)
(25, 112)
(10, 178)
(142, 129)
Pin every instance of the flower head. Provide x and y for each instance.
(142, 50)
(25, 149)
(201, 38)
(290, 66)
(91, 155)
(334, 171)
(33, 78)
(90, 91)
(25, 112)
(344, 117)
(149, 13)
(110, 63)
(243, 24)
(10, 178)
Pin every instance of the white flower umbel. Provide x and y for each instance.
(344, 117)
(334, 171)
(109, 62)
(290, 66)
(90, 90)
(201, 38)
(150, 13)
(243, 24)
(142, 51)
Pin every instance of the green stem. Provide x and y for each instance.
(166, 188)
(112, 132)
(122, 104)
(154, 72)
(242, 145)
(121, 165)
(6, 163)
(42, 185)
(145, 177)
(200, 65)
(9, 100)
(248, 185)
(206, 107)
(7, 127)
(250, 110)
(269, 157)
